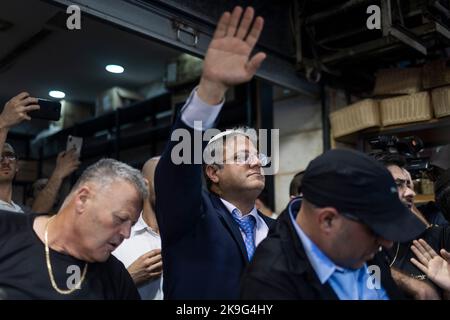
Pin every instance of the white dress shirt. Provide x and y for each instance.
(142, 240)
(195, 109)
(10, 206)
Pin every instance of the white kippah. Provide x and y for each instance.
(227, 132)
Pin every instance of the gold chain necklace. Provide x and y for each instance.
(396, 253)
(49, 266)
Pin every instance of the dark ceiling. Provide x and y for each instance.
(336, 43)
(39, 53)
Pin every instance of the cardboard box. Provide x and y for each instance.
(441, 101)
(115, 98)
(406, 109)
(436, 74)
(355, 117)
(72, 113)
(398, 81)
(185, 69)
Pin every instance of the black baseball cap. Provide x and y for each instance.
(356, 184)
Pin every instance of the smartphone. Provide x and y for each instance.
(74, 142)
(49, 110)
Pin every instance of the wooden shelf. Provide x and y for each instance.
(424, 198)
(434, 132)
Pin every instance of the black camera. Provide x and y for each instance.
(407, 148)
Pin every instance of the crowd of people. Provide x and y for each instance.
(195, 231)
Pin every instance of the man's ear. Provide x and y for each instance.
(211, 172)
(82, 196)
(147, 184)
(329, 219)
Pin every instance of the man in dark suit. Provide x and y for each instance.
(327, 246)
(209, 236)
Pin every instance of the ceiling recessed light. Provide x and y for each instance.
(114, 68)
(56, 94)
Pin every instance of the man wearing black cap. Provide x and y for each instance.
(327, 246)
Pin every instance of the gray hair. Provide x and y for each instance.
(105, 171)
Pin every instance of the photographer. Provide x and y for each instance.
(395, 163)
(404, 152)
(45, 198)
(407, 276)
(14, 112)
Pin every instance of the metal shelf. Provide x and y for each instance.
(111, 122)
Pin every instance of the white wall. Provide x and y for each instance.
(300, 123)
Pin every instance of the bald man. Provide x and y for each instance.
(141, 253)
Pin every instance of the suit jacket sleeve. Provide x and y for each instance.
(178, 187)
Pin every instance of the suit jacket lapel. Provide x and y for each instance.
(230, 224)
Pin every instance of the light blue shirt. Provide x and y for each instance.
(348, 284)
(261, 228)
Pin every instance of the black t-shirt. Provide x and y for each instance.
(24, 274)
(433, 214)
(438, 237)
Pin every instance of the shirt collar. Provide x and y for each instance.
(141, 226)
(231, 207)
(321, 264)
(12, 204)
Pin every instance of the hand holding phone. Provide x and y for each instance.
(49, 110)
(16, 110)
(74, 143)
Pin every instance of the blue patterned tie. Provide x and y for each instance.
(247, 225)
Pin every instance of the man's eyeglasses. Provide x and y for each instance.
(249, 158)
(9, 157)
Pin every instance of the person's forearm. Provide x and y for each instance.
(3, 134)
(46, 198)
(136, 279)
(416, 288)
(403, 281)
(211, 92)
